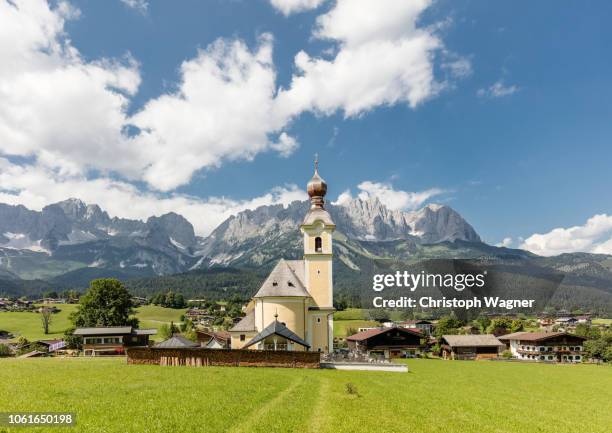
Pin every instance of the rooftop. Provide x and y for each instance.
(283, 281)
(472, 340)
(104, 330)
(247, 324)
(535, 336)
(176, 342)
(360, 336)
(114, 330)
(277, 328)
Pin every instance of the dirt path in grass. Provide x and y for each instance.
(256, 416)
(319, 417)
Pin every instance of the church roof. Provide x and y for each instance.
(277, 328)
(283, 281)
(297, 266)
(246, 324)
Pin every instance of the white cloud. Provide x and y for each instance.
(140, 5)
(390, 197)
(66, 112)
(506, 242)
(288, 7)
(344, 198)
(383, 58)
(497, 90)
(37, 186)
(285, 145)
(458, 67)
(70, 114)
(595, 236)
(222, 110)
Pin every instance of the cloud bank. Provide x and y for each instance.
(64, 118)
(393, 199)
(595, 236)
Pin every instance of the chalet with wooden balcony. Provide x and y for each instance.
(112, 340)
(545, 346)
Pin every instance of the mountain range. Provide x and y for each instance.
(67, 244)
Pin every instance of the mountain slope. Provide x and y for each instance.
(248, 236)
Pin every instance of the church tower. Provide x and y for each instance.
(294, 307)
(317, 229)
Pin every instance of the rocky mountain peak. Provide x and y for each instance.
(179, 231)
(73, 208)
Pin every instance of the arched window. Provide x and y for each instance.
(318, 244)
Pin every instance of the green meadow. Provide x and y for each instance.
(151, 316)
(107, 395)
(28, 324)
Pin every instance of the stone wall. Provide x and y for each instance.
(201, 357)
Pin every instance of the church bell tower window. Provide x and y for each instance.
(318, 244)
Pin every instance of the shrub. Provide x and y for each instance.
(506, 354)
(351, 389)
(5, 350)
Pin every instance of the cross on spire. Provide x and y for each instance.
(316, 161)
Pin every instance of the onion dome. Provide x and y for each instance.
(317, 188)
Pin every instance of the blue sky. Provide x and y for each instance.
(513, 130)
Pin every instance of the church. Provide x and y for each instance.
(293, 309)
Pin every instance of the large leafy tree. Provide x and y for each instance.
(447, 325)
(106, 303)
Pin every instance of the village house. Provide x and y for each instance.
(425, 325)
(470, 346)
(566, 321)
(293, 309)
(583, 319)
(387, 342)
(214, 339)
(545, 322)
(52, 346)
(112, 340)
(545, 346)
(139, 301)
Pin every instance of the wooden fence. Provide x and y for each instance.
(202, 357)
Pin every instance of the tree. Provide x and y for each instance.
(169, 300)
(379, 315)
(179, 301)
(72, 341)
(590, 332)
(167, 330)
(46, 315)
(106, 303)
(51, 294)
(516, 325)
(447, 325)
(504, 325)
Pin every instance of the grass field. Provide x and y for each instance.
(436, 396)
(29, 325)
(342, 326)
